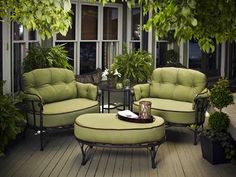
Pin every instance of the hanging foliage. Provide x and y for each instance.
(202, 20)
(45, 16)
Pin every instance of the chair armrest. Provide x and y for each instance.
(140, 91)
(32, 102)
(200, 105)
(87, 90)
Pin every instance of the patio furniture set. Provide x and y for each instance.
(54, 99)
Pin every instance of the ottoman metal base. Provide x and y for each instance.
(151, 146)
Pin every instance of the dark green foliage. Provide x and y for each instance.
(220, 94)
(39, 57)
(219, 121)
(172, 57)
(10, 118)
(135, 66)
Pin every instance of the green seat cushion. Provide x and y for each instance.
(107, 128)
(51, 84)
(171, 110)
(177, 83)
(64, 112)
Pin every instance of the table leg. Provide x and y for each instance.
(102, 101)
(108, 101)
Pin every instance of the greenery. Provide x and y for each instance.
(40, 57)
(219, 121)
(171, 56)
(202, 20)
(45, 16)
(10, 118)
(220, 94)
(134, 65)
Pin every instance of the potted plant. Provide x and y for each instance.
(172, 59)
(136, 66)
(216, 143)
(40, 57)
(10, 120)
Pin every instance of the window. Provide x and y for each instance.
(23, 40)
(95, 37)
(208, 63)
(134, 25)
(161, 48)
(89, 22)
(69, 41)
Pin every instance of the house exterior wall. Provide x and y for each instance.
(227, 61)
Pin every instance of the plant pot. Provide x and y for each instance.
(111, 82)
(212, 151)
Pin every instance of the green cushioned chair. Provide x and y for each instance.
(178, 95)
(54, 99)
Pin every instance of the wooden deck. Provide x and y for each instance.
(177, 157)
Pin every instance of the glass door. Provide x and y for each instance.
(232, 61)
(208, 63)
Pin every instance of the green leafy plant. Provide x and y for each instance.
(219, 121)
(221, 95)
(134, 65)
(10, 120)
(171, 56)
(47, 17)
(40, 57)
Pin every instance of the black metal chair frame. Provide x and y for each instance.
(151, 146)
(200, 107)
(39, 103)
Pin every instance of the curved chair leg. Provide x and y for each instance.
(153, 151)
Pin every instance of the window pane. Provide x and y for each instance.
(161, 48)
(195, 55)
(18, 57)
(18, 31)
(110, 23)
(135, 45)
(32, 35)
(89, 25)
(71, 31)
(109, 50)
(135, 24)
(88, 52)
(69, 47)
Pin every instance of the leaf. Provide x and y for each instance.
(194, 22)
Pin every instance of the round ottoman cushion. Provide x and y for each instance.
(107, 128)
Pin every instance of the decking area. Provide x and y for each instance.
(177, 157)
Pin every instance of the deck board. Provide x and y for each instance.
(62, 157)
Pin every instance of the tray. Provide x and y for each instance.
(136, 120)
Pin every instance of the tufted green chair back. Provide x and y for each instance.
(177, 83)
(51, 84)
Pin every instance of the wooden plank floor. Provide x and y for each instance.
(177, 157)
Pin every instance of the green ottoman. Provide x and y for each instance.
(106, 130)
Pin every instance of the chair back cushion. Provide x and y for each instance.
(176, 83)
(51, 84)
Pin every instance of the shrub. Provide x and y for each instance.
(40, 57)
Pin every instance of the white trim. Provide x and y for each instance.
(6, 47)
(187, 54)
(181, 53)
(223, 59)
(150, 38)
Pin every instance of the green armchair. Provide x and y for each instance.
(178, 95)
(53, 98)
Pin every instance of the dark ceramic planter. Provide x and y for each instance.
(212, 151)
